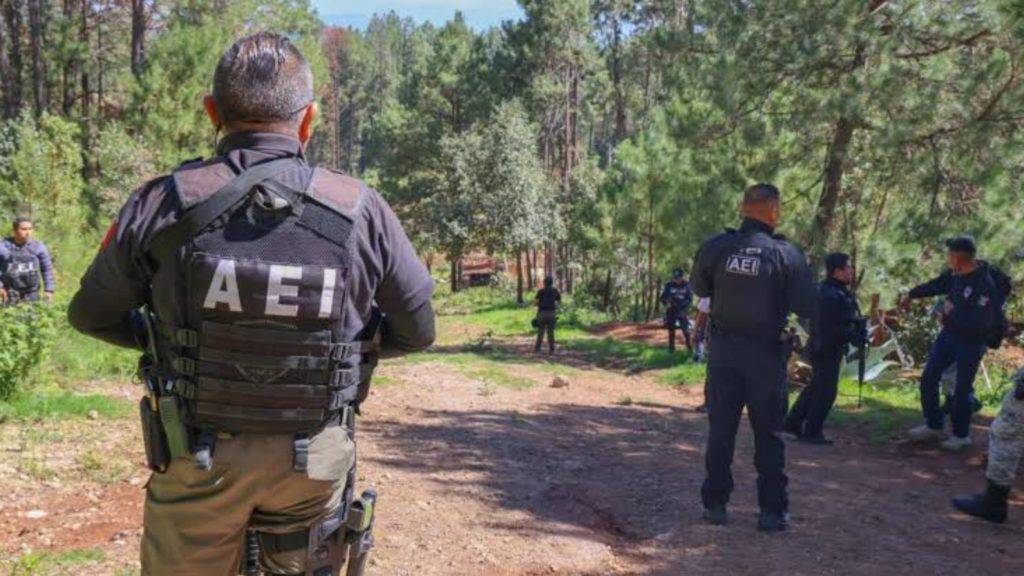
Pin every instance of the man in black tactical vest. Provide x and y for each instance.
(23, 260)
(837, 324)
(258, 277)
(677, 297)
(755, 279)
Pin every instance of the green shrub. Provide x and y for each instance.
(918, 330)
(25, 335)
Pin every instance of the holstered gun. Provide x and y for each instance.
(360, 533)
(154, 437)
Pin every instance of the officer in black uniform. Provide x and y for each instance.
(677, 297)
(836, 326)
(755, 279)
(259, 275)
(548, 300)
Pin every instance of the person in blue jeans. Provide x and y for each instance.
(972, 319)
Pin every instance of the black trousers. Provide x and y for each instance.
(752, 375)
(816, 400)
(546, 325)
(673, 321)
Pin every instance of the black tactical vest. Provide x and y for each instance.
(249, 295)
(749, 279)
(22, 271)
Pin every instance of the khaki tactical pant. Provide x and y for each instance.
(1006, 442)
(195, 520)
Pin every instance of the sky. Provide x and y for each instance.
(479, 14)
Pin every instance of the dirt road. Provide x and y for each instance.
(600, 477)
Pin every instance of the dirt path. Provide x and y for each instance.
(600, 477)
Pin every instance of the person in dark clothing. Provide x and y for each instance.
(755, 279)
(677, 297)
(255, 283)
(836, 326)
(972, 319)
(547, 301)
(22, 261)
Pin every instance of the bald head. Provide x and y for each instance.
(762, 202)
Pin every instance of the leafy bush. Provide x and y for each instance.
(918, 330)
(25, 335)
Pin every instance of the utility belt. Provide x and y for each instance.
(787, 340)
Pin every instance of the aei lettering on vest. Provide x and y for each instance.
(743, 265)
(281, 288)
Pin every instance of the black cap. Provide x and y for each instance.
(677, 273)
(835, 261)
(964, 244)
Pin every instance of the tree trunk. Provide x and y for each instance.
(519, 276)
(5, 67)
(89, 129)
(138, 49)
(37, 38)
(69, 75)
(14, 82)
(531, 263)
(620, 96)
(607, 300)
(454, 263)
(832, 186)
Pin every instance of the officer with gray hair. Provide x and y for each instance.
(259, 277)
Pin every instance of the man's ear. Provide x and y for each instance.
(211, 111)
(306, 125)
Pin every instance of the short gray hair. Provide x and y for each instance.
(262, 78)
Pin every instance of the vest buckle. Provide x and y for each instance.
(185, 366)
(186, 337)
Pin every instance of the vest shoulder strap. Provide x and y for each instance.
(196, 180)
(338, 192)
(202, 211)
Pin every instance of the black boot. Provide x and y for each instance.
(716, 515)
(793, 427)
(990, 505)
(773, 521)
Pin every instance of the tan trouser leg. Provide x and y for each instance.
(195, 521)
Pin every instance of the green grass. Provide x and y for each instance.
(74, 561)
(489, 367)
(47, 404)
(77, 357)
(689, 374)
(889, 409)
(636, 356)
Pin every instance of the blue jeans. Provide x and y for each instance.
(948, 350)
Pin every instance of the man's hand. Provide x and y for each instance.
(904, 302)
(3, 296)
(947, 308)
(48, 297)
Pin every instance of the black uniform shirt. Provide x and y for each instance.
(385, 268)
(975, 297)
(755, 279)
(677, 296)
(835, 325)
(548, 299)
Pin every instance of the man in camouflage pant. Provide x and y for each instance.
(1005, 450)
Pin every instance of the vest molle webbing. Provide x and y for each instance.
(252, 342)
